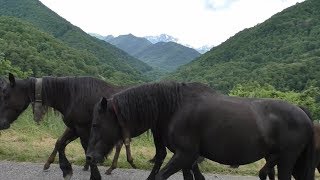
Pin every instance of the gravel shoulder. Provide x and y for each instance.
(33, 171)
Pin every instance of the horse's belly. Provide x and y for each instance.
(234, 148)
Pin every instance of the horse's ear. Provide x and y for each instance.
(12, 80)
(104, 103)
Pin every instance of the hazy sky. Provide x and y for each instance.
(193, 22)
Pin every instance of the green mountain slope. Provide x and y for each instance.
(167, 55)
(112, 61)
(130, 43)
(30, 49)
(283, 51)
(163, 56)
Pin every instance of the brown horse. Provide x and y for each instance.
(73, 97)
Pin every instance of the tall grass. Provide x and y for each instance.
(26, 141)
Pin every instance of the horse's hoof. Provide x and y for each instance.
(68, 177)
(134, 166)
(95, 177)
(108, 172)
(85, 168)
(46, 166)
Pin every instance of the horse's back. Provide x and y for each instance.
(233, 130)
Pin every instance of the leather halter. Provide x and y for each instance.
(125, 130)
(38, 109)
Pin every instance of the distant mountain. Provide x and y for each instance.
(161, 38)
(283, 51)
(129, 43)
(114, 64)
(165, 56)
(97, 36)
(107, 38)
(204, 49)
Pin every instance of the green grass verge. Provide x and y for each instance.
(27, 142)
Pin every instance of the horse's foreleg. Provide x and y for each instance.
(84, 140)
(196, 171)
(115, 158)
(128, 152)
(161, 153)
(187, 174)
(95, 174)
(62, 141)
(65, 165)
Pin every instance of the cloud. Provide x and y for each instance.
(218, 4)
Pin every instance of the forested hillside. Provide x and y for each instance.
(112, 62)
(30, 49)
(283, 51)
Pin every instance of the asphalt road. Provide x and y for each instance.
(32, 171)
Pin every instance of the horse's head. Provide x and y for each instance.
(105, 131)
(14, 99)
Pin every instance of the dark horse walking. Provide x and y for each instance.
(192, 120)
(73, 97)
(232, 130)
(149, 106)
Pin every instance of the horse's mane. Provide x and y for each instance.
(75, 89)
(146, 103)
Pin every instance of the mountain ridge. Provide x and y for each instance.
(166, 56)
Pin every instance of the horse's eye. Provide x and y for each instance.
(95, 125)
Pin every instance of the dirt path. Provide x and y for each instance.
(33, 171)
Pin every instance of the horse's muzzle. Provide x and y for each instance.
(94, 159)
(4, 125)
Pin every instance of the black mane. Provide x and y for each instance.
(142, 104)
(74, 90)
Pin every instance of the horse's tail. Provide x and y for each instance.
(304, 167)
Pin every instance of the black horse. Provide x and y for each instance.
(136, 110)
(243, 130)
(193, 120)
(73, 97)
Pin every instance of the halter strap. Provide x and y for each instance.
(125, 130)
(38, 109)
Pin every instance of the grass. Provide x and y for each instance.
(27, 142)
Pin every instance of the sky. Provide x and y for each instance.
(194, 22)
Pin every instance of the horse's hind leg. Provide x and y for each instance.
(62, 141)
(115, 158)
(180, 160)
(285, 166)
(268, 168)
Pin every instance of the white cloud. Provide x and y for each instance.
(194, 22)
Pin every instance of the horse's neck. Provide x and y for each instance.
(55, 94)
